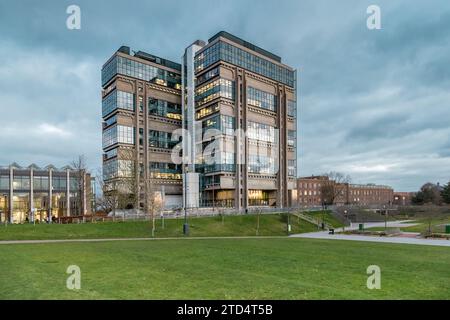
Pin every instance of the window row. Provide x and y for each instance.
(261, 132)
(164, 108)
(258, 163)
(203, 112)
(223, 123)
(261, 99)
(218, 88)
(292, 168)
(117, 100)
(292, 138)
(118, 134)
(292, 108)
(164, 140)
(39, 183)
(115, 168)
(207, 75)
(135, 69)
(234, 55)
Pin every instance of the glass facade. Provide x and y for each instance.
(21, 182)
(4, 182)
(117, 100)
(110, 121)
(258, 163)
(40, 183)
(260, 131)
(261, 99)
(165, 170)
(292, 108)
(115, 168)
(203, 112)
(223, 123)
(110, 154)
(234, 55)
(292, 138)
(164, 108)
(292, 168)
(135, 69)
(207, 75)
(118, 134)
(218, 88)
(161, 139)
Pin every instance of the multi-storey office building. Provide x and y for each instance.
(369, 194)
(41, 194)
(141, 108)
(236, 102)
(247, 96)
(310, 193)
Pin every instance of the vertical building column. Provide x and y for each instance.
(50, 195)
(68, 192)
(146, 159)
(11, 194)
(241, 160)
(31, 195)
(243, 103)
(136, 147)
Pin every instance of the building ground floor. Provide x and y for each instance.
(34, 194)
(42, 209)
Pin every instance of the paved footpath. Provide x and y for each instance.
(406, 238)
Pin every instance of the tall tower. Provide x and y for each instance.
(246, 96)
(141, 110)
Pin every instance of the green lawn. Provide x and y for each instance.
(237, 225)
(437, 225)
(278, 268)
(325, 216)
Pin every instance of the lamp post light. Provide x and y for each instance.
(185, 225)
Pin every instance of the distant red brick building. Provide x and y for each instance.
(310, 193)
(403, 198)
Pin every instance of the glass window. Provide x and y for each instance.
(218, 88)
(292, 108)
(128, 67)
(21, 183)
(261, 99)
(4, 182)
(261, 164)
(164, 108)
(260, 131)
(161, 139)
(291, 139)
(117, 100)
(231, 54)
(118, 134)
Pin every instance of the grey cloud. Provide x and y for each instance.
(373, 103)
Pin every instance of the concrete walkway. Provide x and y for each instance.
(407, 238)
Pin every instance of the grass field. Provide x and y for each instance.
(326, 217)
(238, 225)
(437, 225)
(276, 268)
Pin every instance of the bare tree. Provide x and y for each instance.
(126, 185)
(120, 191)
(153, 200)
(80, 168)
(107, 200)
(333, 187)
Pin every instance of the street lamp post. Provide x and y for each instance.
(185, 225)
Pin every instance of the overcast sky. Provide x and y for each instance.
(374, 104)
